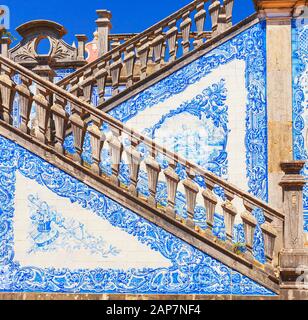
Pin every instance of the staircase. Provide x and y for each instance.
(153, 51)
(65, 108)
(123, 142)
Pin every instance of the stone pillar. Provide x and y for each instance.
(293, 258)
(44, 70)
(279, 89)
(5, 45)
(103, 27)
(292, 185)
(82, 38)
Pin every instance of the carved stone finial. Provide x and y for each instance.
(103, 28)
(5, 45)
(82, 38)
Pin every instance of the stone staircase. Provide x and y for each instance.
(140, 154)
(153, 51)
(64, 109)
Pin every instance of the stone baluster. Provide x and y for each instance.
(76, 108)
(185, 27)
(228, 4)
(87, 85)
(250, 223)
(269, 235)
(143, 54)
(229, 195)
(199, 20)
(163, 53)
(229, 215)
(115, 70)
(153, 169)
(97, 139)
(79, 130)
(76, 91)
(129, 61)
(25, 103)
(116, 150)
(74, 86)
(157, 45)
(222, 20)
(214, 9)
(191, 191)
(101, 77)
(7, 89)
(42, 113)
(210, 202)
(115, 44)
(151, 54)
(134, 160)
(171, 36)
(60, 119)
(172, 180)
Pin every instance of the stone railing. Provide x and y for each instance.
(125, 157)
(161, 44)
(119, 38)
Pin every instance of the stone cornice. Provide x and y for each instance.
(273, 9)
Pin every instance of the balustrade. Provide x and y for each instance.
(185, 195)
(147, 52)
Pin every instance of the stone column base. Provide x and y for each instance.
(294, 274)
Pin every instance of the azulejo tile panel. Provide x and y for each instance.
(52, 229)
(300, 99)
(232, 80)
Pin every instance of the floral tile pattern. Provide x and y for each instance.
(247, 47)
(300, 99)
(191, 271)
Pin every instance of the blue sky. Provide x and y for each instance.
(78, 17)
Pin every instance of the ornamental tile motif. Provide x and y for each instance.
(249, 47)
(50, 231)
(192, 272)
(211, 113)
(300, 99)
(206, 148)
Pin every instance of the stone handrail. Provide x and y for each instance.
(116, 39)
(159, 45)
(124, 144)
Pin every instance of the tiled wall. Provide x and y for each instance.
(300, 98)
(213, 111)
(59, 235)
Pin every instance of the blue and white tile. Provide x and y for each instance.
(300, 99)
(50, 231)
(240, 63)
(37, 198)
